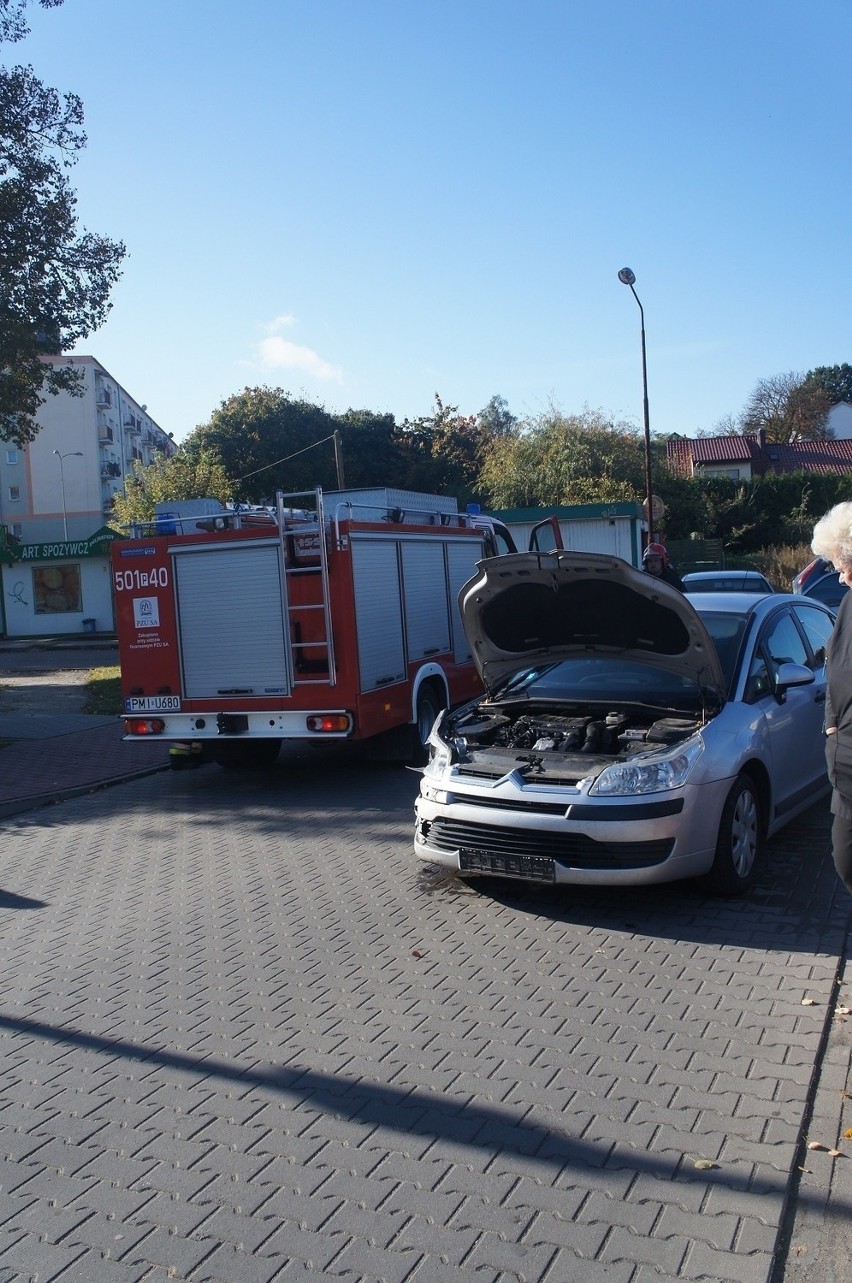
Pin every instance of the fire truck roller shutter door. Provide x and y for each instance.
(232, 627)
(378, 612)
(424, 577)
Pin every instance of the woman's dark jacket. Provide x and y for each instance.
(838, 701)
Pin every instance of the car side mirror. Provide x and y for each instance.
(791, 675)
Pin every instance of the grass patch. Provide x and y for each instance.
(104, 691)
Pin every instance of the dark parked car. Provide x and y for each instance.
(819, 580)
(726, 581)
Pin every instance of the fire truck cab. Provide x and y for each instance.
(325, 616)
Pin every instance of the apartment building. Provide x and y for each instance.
(56, 503)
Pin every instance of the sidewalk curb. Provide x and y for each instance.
(41, 800)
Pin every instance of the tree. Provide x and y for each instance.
(496, 419)
(559, 459)
(787, 408)
(444, 451)
(55, 279)
(834, 380)
(268, 440)
(183, 476)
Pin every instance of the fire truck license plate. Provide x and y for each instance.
(539, 868)
(152, 704)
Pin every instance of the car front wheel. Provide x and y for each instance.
(738, 845)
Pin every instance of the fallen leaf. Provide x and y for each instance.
(703, 1164)
(843, 1011)
(806, 1170)
(847, 1135)
(816, 1144)
(415, 953)
(808, 1002)
(836, 1153)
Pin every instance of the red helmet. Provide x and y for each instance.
(656, 550)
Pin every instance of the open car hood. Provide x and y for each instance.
(531, 607)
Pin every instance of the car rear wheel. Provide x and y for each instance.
(739, 842)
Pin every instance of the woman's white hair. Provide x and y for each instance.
(833, 535)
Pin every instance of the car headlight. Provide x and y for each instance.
(655, 774)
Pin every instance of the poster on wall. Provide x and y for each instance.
(57, 589)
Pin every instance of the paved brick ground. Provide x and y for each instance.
(244, 1037)
(85, 754)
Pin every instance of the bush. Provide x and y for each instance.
(780, 565)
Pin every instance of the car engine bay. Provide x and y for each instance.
(570, 747)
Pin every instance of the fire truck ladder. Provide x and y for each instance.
(313, 661)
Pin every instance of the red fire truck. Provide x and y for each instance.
(240, 628)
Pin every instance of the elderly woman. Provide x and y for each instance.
(833, 540)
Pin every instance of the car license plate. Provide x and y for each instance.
(152, 704)
(536, 868)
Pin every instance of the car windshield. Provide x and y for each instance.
(723, 583)
(727, 630)
(605, 681)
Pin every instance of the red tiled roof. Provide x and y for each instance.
(724, 449)
(808, 456)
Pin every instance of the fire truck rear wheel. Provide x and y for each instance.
(427, 710)
(251, 755)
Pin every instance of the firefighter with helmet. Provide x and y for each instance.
(655, 561)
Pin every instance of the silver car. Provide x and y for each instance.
(628, 735)
(726, 581)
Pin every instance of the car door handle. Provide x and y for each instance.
(819, 697)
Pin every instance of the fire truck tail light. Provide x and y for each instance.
(144, 726)
(330, 723)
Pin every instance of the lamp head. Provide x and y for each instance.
(626, 276)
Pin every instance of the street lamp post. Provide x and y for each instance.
(72, 454)
(627, 277)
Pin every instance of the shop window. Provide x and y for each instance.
(57, 590)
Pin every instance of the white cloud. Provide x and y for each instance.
(277, 353)
(283, 322)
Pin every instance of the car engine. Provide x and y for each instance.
(484, 737)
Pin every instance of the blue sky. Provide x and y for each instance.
(366, 202)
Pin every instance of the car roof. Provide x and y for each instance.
(748, 603)
(725, 574)
(729, 576)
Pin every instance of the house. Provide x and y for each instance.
(840, 421)
(742, 457)
(56, 498)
